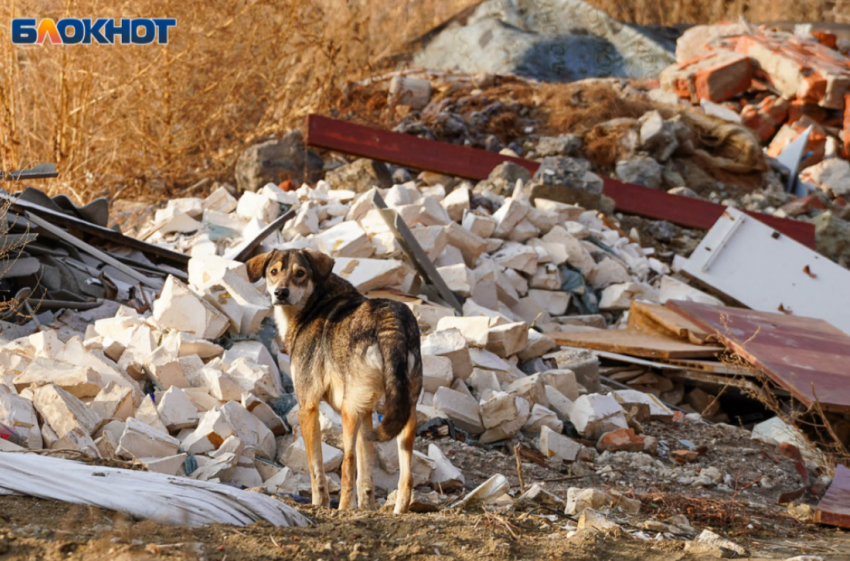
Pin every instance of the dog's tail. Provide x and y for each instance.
(402, 381)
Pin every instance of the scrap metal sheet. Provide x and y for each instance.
(834, 507)
(808, 357)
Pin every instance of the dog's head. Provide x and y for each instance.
(292, 275)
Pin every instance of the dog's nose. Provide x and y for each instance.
(281, 294)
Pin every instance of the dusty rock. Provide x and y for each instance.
(275, 161)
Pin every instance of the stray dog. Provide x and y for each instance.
(349, 351)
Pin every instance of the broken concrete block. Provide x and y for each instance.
(188, 345)
(347, 239)
(64, 412)
(775, 431)
(79, 381)
(254, 205)
(508, 339)
(114, 402)
(148, 414)
(576, 255)
(509, 216)
(592, 520)
(542, 417)
(518, 257)
(170, 465)
(483, 383)
(295, 457)
(537, 346)
(580, 499)
(499, 408)
(487, 493)
(220, 385)
(457, 202)
(451, 344)
(510, 427)
(76, 439)
(370, 274)
(253, 378)
(201, 399)
(480, 225)
(450, 256)
(563, 380)
(244, 305)
(209, 268)
(107, 446)
(558, 402)
(462, 409)
(217, 469)
(179, 308)
(657, 410)
(176, 410)
(249, 429)
(708, 537)
(433, 240)
(537, 495)
(457, 278)
(18, 413)
(140, 440)
(524, 231)
(595, 414)
(445, 477)
(583, 363)
(436, 372)
(220, 200)
(254, 351)
(671, 288)
(474, 329)
(262, 411)
(531, 388)
(619, 296)
(608, 272)
(554, 444)
(165, 370)
(470, 245)
(212, 431)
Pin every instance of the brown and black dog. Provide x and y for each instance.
(349, 351)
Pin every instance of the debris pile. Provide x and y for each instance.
(783, 87)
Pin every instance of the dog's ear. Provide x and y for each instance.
(322, 264)
(257, 266)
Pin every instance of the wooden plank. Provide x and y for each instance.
(93, 251)
(808, 357)
(636, 361)
(655, 318)
(752, 264)
(631, 342)
(472, 163)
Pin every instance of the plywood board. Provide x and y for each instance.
(655, 318)
(764, 270)
(808, 357)
(631, 342)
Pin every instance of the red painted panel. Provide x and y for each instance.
(806, 356)
(471, 163)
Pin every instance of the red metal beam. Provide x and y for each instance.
(471, 163)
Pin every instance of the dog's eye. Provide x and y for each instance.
(274, 272)
(300, 273)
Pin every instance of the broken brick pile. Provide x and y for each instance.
(777, 84)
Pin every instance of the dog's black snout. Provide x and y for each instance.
(281, 293)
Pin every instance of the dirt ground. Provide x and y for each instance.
(744, 511)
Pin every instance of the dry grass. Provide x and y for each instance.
(671, 12)
(130, 121)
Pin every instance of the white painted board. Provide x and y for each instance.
(142, 494)
(767, 271)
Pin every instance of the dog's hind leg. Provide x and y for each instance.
(308, 415)
(365, 464)
(350, 428)
(405, 458)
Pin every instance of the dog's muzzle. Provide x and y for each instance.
(281, 294)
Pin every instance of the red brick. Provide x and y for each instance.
(716, 76)
(802, 205)
(844, 136)
(797, 109)
(626, 440)
(829, 40)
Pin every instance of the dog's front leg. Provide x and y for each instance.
(350, 426)
(308, 415)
